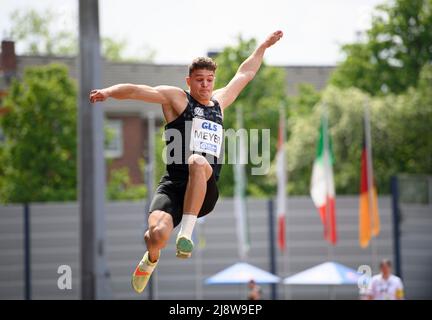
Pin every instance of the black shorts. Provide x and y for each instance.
(169, 197)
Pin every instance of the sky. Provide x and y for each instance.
(180, 30)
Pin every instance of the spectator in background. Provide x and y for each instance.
(386, 286)
(255, 291)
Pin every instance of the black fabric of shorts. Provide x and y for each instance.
(169, 197)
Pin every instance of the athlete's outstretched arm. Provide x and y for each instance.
(159, 94)
(246, 72)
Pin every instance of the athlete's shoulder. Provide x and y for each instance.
(171, 90)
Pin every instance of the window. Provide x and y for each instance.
(113, 138)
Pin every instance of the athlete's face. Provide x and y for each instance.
(201, 84)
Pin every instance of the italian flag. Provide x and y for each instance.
(281, 181)
(369, 222)
(322, 183)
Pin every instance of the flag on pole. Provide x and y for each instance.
(240, 209)
(322, 183)
(369, 222)
(281, 181)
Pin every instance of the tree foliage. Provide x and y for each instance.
(397, 46)
(39, 33)
(42, 33)
(39, 152)
(400, 132)
(120, 187)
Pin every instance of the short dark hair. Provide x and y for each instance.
(386, 262)
(202, 63)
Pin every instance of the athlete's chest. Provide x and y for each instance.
(206, 132)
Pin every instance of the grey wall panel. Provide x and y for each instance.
(55, 241)
(416, 252)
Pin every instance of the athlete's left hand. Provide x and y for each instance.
(273, 38)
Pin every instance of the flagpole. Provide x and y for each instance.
(373, 240)
(281, 174)
(240, 181)
(198, 265)
(330, 252)
(285, 272)
(285, 258)
(282, 124)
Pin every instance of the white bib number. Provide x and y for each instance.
(206, 137)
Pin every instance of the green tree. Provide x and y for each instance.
(400, 129)
(38, 155)
(40, 34)
(120, 186)
(113, 50)
(404, 143)
(398, 45)
(306, 98)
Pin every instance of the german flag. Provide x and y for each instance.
(369, 222)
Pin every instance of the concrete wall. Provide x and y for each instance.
(55, 242)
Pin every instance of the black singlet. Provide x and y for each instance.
(179, 170)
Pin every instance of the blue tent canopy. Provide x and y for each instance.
(242, 273)
(328, 273)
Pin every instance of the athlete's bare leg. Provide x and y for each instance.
(199, 172)
(156, 238)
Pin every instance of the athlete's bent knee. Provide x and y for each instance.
(158, 236)
(199, 164)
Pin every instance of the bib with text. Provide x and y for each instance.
(206, 137)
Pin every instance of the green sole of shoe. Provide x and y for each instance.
(184, 248)
(184, 245)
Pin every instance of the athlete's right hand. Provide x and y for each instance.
(98, 95)
(273, 38)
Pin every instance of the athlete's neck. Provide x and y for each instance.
(205, 102)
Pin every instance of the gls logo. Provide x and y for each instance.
(209, 126)
(64, 282)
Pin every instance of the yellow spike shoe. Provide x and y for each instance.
(142, 273)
